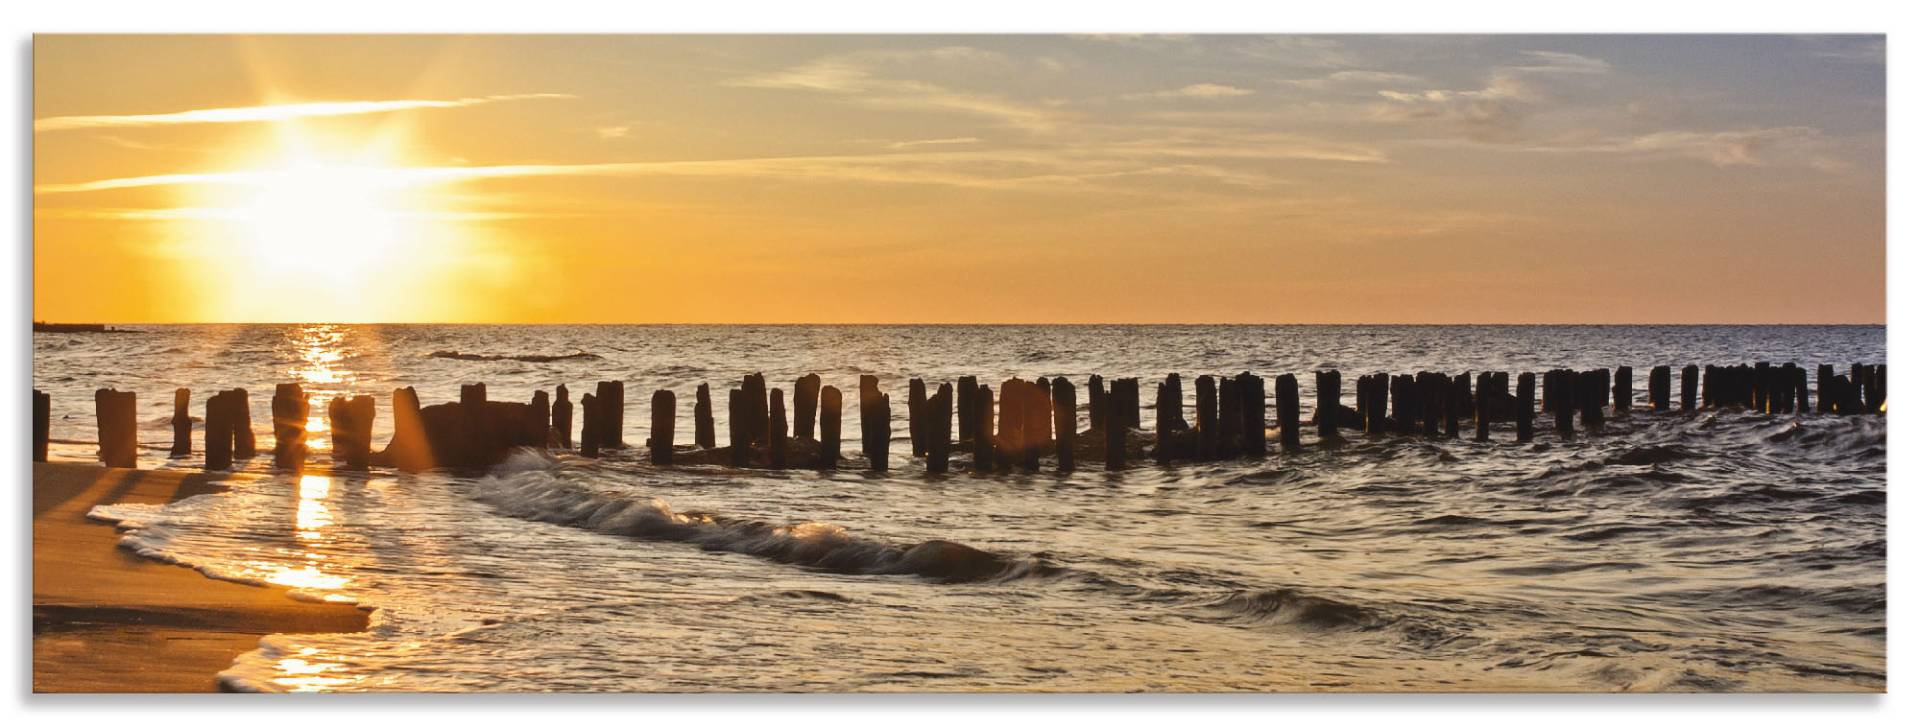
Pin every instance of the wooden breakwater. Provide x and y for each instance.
(1015, 426)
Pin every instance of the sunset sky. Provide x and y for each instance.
(1388, 179)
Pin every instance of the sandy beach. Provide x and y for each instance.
(106, 620)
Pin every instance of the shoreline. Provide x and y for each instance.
(106, 620)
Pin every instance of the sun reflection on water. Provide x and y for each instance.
(306, 675)
(319, 371)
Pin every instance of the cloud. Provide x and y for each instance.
(1300, 50)
(933, 142)
(1498, 111)
(271, 112)
(855, 76)
(1352, 78)
(1548, 61)
(613, 132)
(1197, 90)
(1774, 146)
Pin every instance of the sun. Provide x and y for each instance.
(339, 222)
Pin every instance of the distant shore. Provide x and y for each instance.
(108, 621)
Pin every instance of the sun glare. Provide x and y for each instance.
(338, 222)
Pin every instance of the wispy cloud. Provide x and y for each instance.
(958, 140)
(857, 78)
(1197, 90)
(271, 112)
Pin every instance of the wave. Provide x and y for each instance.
(524, 358)
(542, 497)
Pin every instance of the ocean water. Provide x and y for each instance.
(1709, 551)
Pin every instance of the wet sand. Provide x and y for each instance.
(108, 621)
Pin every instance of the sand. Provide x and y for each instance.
(108, 621)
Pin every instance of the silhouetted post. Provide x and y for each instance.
(290, 411)
(1286, 403)
(563, 417)
(539, 419)
(1800, 389)
(42, 423)
(244, 446)
(1039, 429)
(1457, 393)
(182, 424)
(1689, 387)
(1433, 401)
(1623, 389)
(1874, 386)
(703, 415)
(1013, 420)
(776, 429)
(985, 457)
(806, 402)
(1523, 409)
(1128, 393)
(350, 421)
(660, 443)
(1405, 404)
(219, 431)
(1064, 424)
(739, 442)
(1326, 402)
(408, 450)
(1206, 404)
(1563, 405)
(1659, 387)
(876, 423)
(916, 416)
(1823, 391)
(1482, 405)
(1253, 408)
(610, 401)
(829, 427)
(1163, 422)
(472, 395)
(1096, 402)
(1116, 437)
(964, 406)
(939, 432)
(1232, 421)
(591, 419)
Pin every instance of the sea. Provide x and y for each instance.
(1668, 551)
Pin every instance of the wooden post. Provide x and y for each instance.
(1163, 422)
(703, 415)
(985, 454)
(1065, 425)
(1523, 409)
(1482, 405)
(1563, 403)
(244, 445)
(1326, 403)
(1623, 389)
(219, 430)
(1096, 402)
(1231, 419)
(1800, 389)
(1116, 437)
(829, 427)
(1457, 393)
(1659, 388)
(939, 431)
(42, 423)
(1039, 428)
(876, 423)
(408, 450)
(472, 395)
(290, 410)
(1433, 400)
(114, 418)
(1127, 392)
(965, 408)
(1253, 407)
(1286, 402)
(539, 419)
(1011, 435)
(916, 416)
(1206, 404)
(1689, 387)
(350, 422)
(739, 442)
(776, 429)
(563, 417)
(660, 443)
(610, 402)
(182, 424)
(591, 419)
(806, 402)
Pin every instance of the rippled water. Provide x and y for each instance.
(1715, 551)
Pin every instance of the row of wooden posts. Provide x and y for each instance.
(1034, 418)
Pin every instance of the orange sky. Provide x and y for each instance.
(1389, 179)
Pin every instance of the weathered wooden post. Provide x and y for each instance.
(1433, 405)
(1482, 405)
(290, 410)
(1286, 403)
(916, 416)
(539, 419)
(985, 454)
(182, 424)
(1013, 420)
(1065, 409)
(829, 427)
(1406, 403)
(1659, 387)
(776, 429)
(1206, 405)
(965, 408)
(1689, 387)
(244, 445)
(42, 423)
(219, 430)
(939, 431)
(876, 423)
(591, 419)
(1563, 405)
(1129, 389)
(1163, 422)
(350, 423)
(1326, 402)
(806, 400)
(739, 442)
(1232, 421)
(1623, 389)
(1039, 428)
(660, 442)
(473, 396)
(1823, 391)
(1116, 437)
(1800, 389)
(610, 401)
(1523, 409)
(1456, 393)
(1846, 395)
(1253, 407)
(562, 417)
(408, 449)
(703, 416)
(1096, 402)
